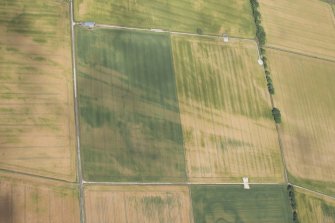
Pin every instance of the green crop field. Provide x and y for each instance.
(129, 115)
(36, 89)
(221, 204)
(305, 95)
(312, 208)
(225, 111)
(212, 17)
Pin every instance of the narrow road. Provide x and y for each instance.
(170, 184)
(79, 168)
(166, 31)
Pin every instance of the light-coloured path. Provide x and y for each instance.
(168, 184)
(79, 168)
(105, 26)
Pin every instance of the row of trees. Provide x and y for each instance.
(291, 196)
(261, 37)
(260, 33)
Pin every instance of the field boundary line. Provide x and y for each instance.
(106, 26)
(314, 192)
(87, 183)
(14, 172)
(281, 147)
(300, 53)
(74, 70)
(167, 183)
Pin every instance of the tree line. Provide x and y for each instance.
(293, 203)
(261, 38)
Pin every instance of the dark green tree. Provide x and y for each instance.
(271, 88)
(257, 16)
(260, 34)
(254, 4)
(276, 115)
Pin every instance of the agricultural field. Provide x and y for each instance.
(305, 95)
(129, 113)
(210, 17)
(27, 199)
(225, 112)
(221, 204)
(36, 96)
(132, 204)
(312, 208)
(310, 31)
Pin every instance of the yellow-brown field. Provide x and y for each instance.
(132, 204)
(305, 96)
(225, 112)
(27, 199)
(36, 96)
(312, 208)
(300, 25)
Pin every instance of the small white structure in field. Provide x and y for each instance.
(260, 61)
(89, 25)
(225, 38)
(246, 183)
